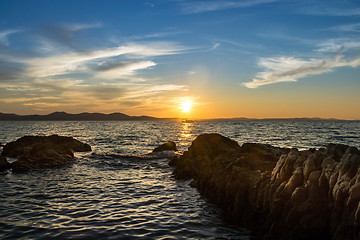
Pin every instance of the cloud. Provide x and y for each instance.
(324, 11)
(26, 99)
(106, 92)
(150, 4)
(339, 45)
(65, 34)
(11, 71)
(289, 69)
(79, 62)
(216, 45)
(4, 36)
(355, 27)
(208, 6)
(147, 90)
(67, 79)
(120, 69)
(155, 35)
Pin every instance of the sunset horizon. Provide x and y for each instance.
(180, 119)
(188, 115)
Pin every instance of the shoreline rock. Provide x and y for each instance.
(280, 193)
(39, 152)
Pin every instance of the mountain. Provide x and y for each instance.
(63, 116)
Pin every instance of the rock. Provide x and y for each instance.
(202, 150)
(224, 171)
(60, 143)
(39, 152)
(169, 146)
(4, 164)
(279, 193)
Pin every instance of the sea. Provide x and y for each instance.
(117, 192)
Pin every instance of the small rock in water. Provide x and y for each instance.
(4, 164)
(169, 146)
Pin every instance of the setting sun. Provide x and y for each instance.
(186, 106)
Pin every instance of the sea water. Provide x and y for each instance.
(112, 193)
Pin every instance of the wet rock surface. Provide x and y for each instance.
(168, 146)
(279, 193)
(39, 152)
(4, 164)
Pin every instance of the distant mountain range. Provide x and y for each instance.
(63, 116)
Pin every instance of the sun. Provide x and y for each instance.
(186, 106)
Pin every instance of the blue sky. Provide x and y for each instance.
(259, 58)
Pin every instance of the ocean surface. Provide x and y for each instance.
(116, 192)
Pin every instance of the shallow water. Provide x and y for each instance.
(105, 195)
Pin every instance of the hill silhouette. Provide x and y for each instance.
(63, 116)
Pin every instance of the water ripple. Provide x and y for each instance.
(116, 192)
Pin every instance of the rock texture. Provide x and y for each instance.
(38, 152)
(168, 146)
(279, 193)
(4, 164)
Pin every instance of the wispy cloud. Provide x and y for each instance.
(334, 53)
(4, 35)
(354, 27)
(325, 11)
(121, 69)
(155, 35)
(207, 6)
(71, 79)
(215, 45)
(79, 62)
(289, 69)
(339, 45)
(65, 34)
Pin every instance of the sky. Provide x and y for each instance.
(181, 58)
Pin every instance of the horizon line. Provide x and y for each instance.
(197, 119)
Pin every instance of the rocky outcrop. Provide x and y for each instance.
(168, 146)
(279, 193)
(38, 152)
(4, 164)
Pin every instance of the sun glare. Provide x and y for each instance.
(186, 106)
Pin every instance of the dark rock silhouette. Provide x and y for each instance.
(38, 152)
(63, 116)
(279, 193)
(169, 146)
(4, 164)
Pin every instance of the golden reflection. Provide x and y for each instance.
(186, 130)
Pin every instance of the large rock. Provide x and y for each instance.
(223, 171)
(279, 193)
(38, 152)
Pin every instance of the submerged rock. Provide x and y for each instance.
(169, 146)
(279, 193)
(38, 152)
